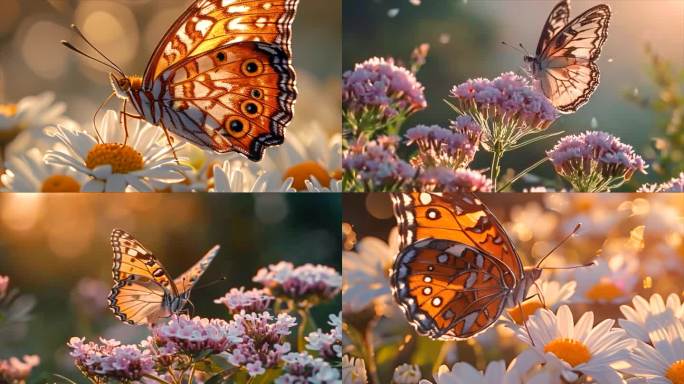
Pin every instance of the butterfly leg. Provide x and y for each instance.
(524, 319)
(539, 294)
(124, 121)
(169, 140)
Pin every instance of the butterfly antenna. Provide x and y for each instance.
(70, 46)
(524, 49)
(224, 278)
(513, 48)
(78, 31)
(566, 238)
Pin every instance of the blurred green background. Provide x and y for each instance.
(33, 61)
(56, 248)
(465, 38)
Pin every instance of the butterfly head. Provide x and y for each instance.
(124, 85)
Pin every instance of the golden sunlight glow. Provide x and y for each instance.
(571, 351)
(8, 110)
(604, 290)
(123, 159)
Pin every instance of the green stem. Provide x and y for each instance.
(301, 342)
(155, 378)
(535, 139)
(370, 361)
(494, 172)
(521, 174)
(191, 376)
(442, 355)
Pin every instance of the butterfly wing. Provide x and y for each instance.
(137, 300)
(459, 217)
(201, 72)
(140, 281)
(449, 290)
(558, 18)
(567, 72)
(187, 280)
(238, 98)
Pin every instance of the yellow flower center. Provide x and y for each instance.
(123, 159)
(571, 351)
(676, 372)
(60, 183)
(604, 290)
(302, 171)
(521, 313)
(8, 109)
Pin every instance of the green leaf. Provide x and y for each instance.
(268, 377)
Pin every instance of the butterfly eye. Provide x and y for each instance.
(252, 67)
(237, 126)
(256, 93)
(251, 109)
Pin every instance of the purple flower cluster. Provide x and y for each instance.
(594, 159)
(676, 184)
(380, 86)
(14, 370)
(440, 147)
(263, 341)
(376, 165)
(4, 286)
(467, 126)
(238, 300)
(308, 282)
(508, 98)
(304, 368)
(328, 345)
(196, 336)
(441, 179)
(110, 360)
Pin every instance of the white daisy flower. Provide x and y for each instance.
(353, 370)
(495, 372)
(544, 294)
(366, 273)
(305, 157)
(235, 176)
(406, 374)
(112, 167)
(661, 363)
(29, 173)
(608, 281)
(644, 316)
(579, 349)
(22, 124)
(313, 185)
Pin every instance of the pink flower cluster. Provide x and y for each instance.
(676, 184)
(254, 300)
(441, 179)
(328, 345)
(317, 282)
(595, 153)
(509, 98)
(196, 336)
(440, 147)
(110, 360)
(466, 125)
(304, 368)
(4, 286)
(381, 86)
(14, 370)
(262, 341)
(376, 164)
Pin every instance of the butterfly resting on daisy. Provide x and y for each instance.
(221, 77)
(143, 290)
(457, 270)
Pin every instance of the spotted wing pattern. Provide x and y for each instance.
(187, 280)
(222, 76)
(449, 290)
(567, 70)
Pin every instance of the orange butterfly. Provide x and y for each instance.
(457, 270)
(221, 77)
